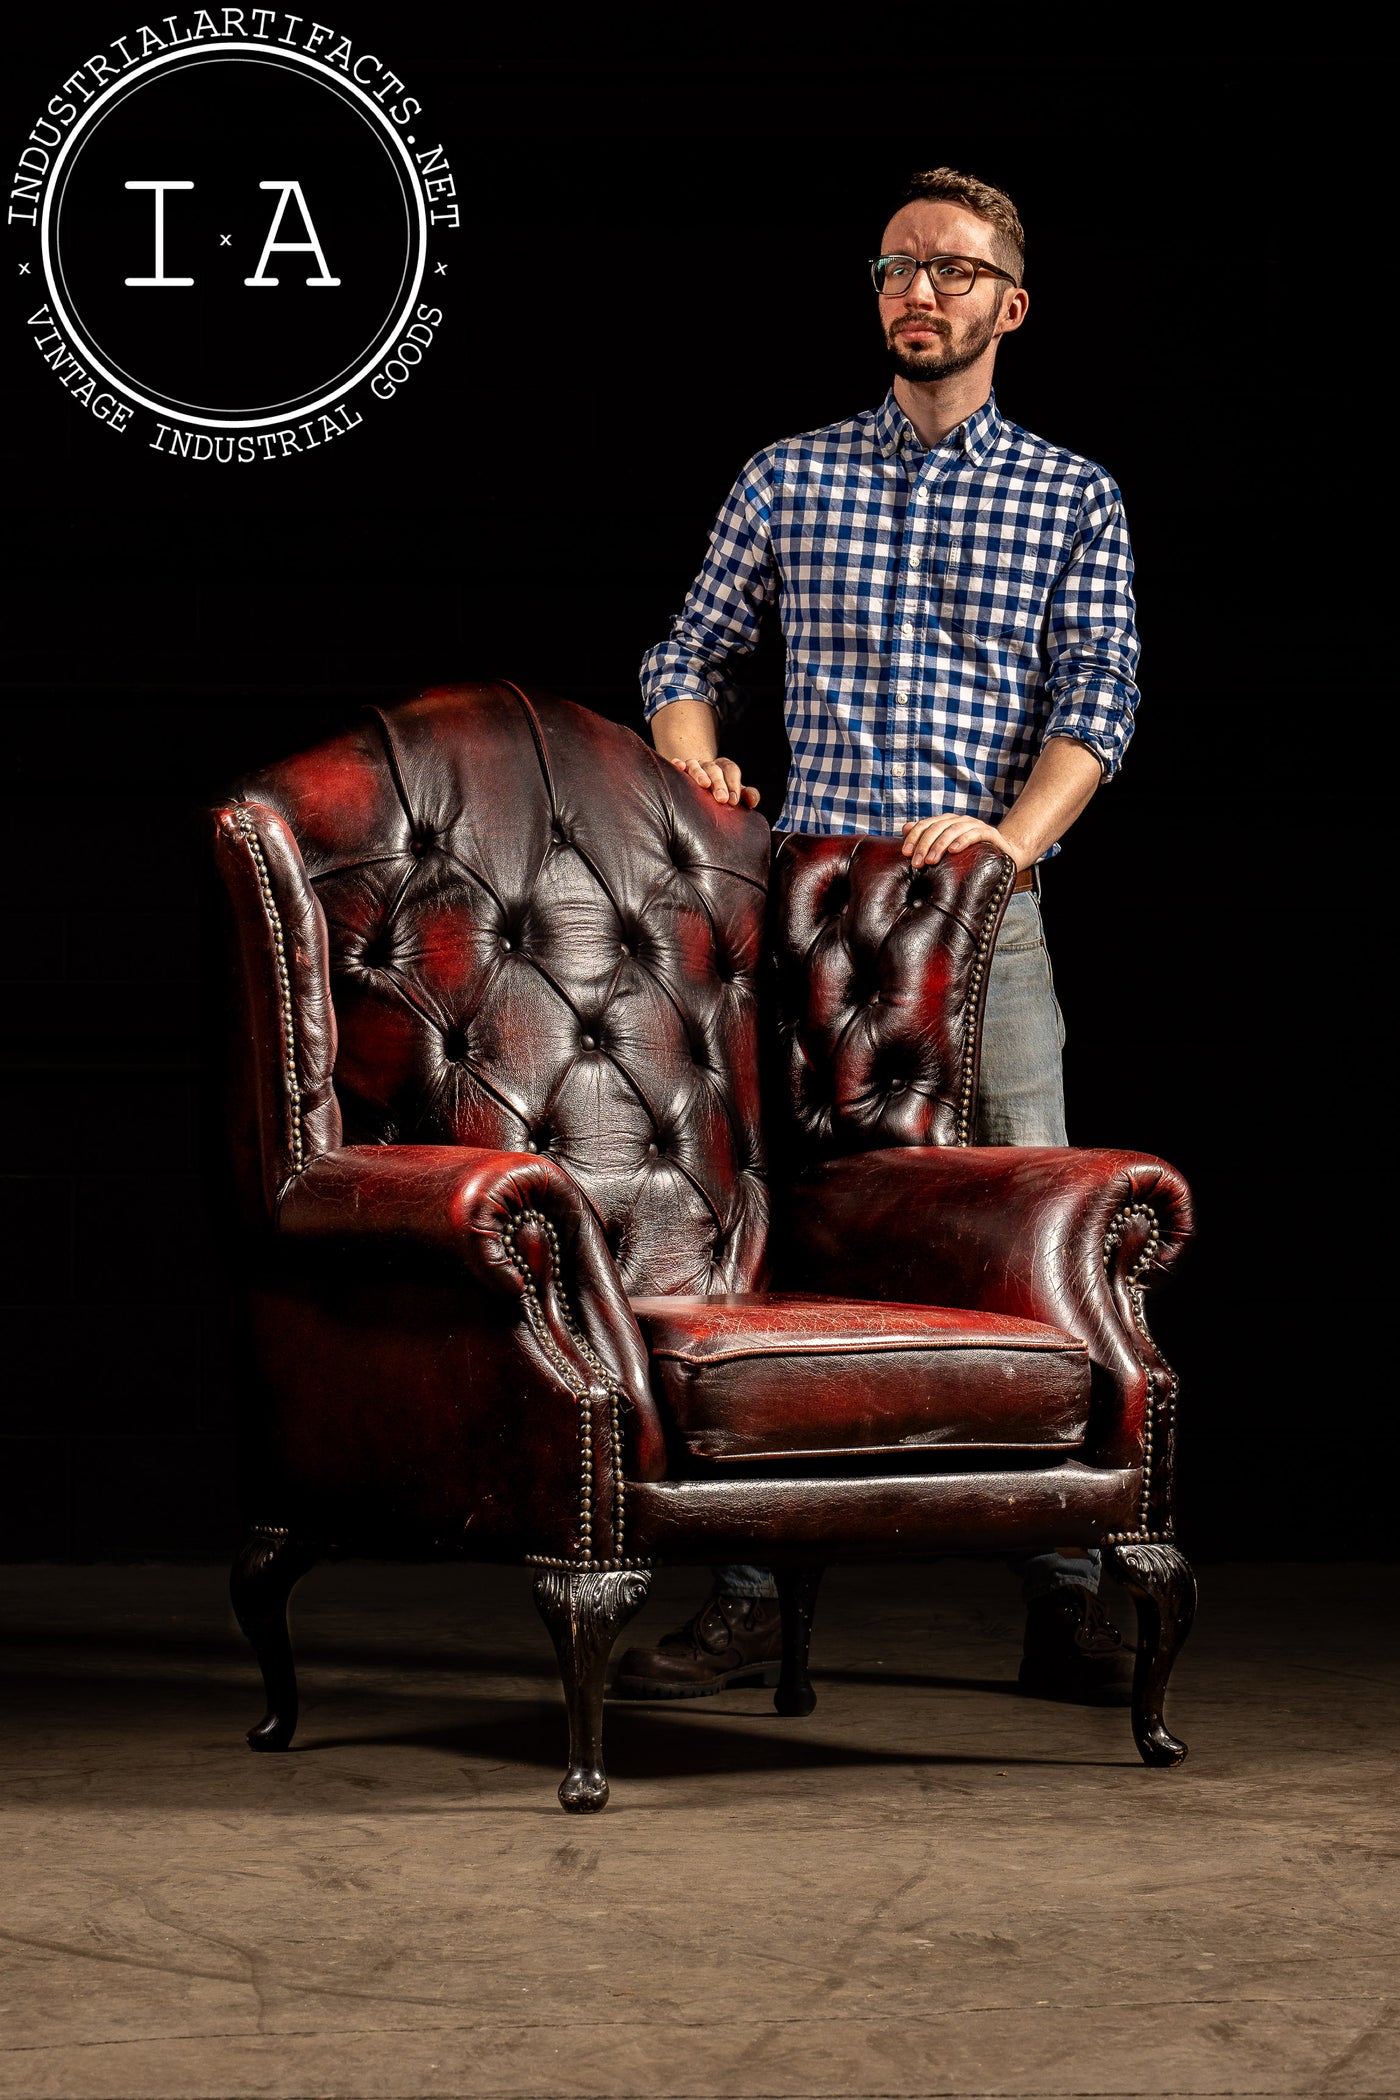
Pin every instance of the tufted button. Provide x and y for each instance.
(507, 943)
(623, 948)
(653, 1149)
(896, 1086)
(530, 1145)
(586, 1042)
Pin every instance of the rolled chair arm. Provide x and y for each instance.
(1069, 1236)
(515, 1226)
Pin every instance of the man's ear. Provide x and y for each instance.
(1013, 310)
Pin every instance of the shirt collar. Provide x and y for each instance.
(973, 438)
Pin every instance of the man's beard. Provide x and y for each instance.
(940, 361)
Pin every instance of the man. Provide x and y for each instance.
(956, 601)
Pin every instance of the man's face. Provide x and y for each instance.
(929, 337)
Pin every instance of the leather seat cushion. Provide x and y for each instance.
(787, 1375)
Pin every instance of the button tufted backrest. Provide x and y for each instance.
(540, 938)
(880, 977)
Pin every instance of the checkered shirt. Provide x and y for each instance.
(945, 612)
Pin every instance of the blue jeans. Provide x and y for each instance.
(1021, 1101)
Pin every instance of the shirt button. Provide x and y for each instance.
(902, 699)
(898, 772)
(913, 561)
(907, 628)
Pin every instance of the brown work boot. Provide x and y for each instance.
(1074, 1651)
(730, 1641)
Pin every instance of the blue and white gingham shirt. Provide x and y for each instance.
(945, 612)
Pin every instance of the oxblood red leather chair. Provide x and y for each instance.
(518, 1289)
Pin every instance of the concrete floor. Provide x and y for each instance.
(929, 1887)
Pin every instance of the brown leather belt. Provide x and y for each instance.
(1024, 881)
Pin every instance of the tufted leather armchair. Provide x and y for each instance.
(517, 1018)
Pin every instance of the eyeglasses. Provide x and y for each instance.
(950, 275)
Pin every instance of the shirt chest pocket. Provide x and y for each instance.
(997, 595)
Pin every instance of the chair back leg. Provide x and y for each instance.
(268, 1566)
(585, 1611)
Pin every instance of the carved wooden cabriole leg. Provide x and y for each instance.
(585, 1611)
(266, 1570)
(1164, 1590)
(797, 1600)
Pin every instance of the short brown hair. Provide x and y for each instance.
(948, 185)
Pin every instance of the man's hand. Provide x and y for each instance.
(686, 735)
(929, 838)
(721, 776)
(1060, 787)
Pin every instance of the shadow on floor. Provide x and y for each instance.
(457, 1723)
(642, 1743)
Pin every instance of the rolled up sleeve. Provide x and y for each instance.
(723, 611)
(1092, 640)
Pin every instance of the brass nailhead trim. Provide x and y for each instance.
(1162, 1405)
(979, 978)
(578, 1385)
(581, 1567)
(284, 983)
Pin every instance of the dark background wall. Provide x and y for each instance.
(534, 506)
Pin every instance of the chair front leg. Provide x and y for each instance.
(797, 1601)
(268, 1566)
(585, 1611)
(1163, 1589)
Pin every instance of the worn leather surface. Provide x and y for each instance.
(1024, 1230)
(880, 974)
(411, 1395)
(776, 1375)
(426, 1210)
(914, 1516)
(399, 1412)
(540, 938)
